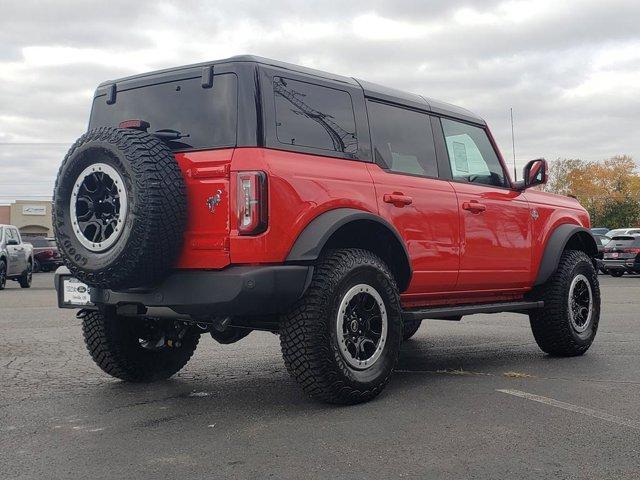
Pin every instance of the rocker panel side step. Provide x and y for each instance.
(457, 312)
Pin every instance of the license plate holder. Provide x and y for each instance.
(72, 293)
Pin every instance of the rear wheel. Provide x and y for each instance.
(137, 349)
(616, 273)
(568, 323)
(341, 340)
(36, 266)
(3, 274)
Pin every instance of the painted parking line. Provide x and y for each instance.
(573, 408)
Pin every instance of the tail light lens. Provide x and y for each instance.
(631, 250)
(252, 203)
(48, 253)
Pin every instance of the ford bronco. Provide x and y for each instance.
(250, 194)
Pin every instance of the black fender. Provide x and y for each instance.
(571, 235)
(315, 235)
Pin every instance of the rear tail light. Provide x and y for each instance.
(48, 253)
(252, 203)
(631, 250)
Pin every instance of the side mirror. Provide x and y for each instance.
(12, 241)
(534, 173)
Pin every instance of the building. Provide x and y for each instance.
(5, 214)
(32, 217)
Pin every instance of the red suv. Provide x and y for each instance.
(249, 194)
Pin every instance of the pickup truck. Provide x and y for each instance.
(16, 257)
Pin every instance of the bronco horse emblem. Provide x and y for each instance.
(213, 201)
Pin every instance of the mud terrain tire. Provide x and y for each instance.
(114, 344)
(141, 212)
(557, 330)
(309, 332)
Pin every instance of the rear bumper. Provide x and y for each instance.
(234, 291)
(620, 264)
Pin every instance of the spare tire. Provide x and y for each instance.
(119, 208)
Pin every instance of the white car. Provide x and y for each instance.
(622, 231)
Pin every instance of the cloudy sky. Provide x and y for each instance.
(570, 69)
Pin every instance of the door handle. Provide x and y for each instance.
(473, 206)
(397, 199)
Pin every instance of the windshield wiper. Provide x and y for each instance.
(169, 134)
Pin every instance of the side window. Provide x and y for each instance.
(8, 233)
(314, 116)
(471, 154)
(16, 235)
(402, 139)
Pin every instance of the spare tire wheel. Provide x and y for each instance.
(120, 208)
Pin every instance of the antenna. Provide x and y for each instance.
(513, 147)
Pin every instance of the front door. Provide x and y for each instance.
(423, 208)
(495, 221)
(13, 260)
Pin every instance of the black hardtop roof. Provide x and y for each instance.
(370, 89)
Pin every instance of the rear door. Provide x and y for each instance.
(495, 221)
(422, 207)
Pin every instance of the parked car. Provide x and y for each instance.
(622, 254)
(16, 257)
(622, 231)
(332, 211)
(601, 243)
(46, 256)
(599, 230)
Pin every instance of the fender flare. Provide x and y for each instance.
(318, 231)
(557, 243)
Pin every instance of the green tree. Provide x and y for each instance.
(609, 190)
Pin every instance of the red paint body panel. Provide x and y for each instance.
(429, 227)
(495, 242)
(553, 210)
(459, 253)
(206, 241)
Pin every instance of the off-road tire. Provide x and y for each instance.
(308, 335)
(410, 329)
(27, 277)
(114, 346)
(3, 274)
(551, 325)
(152, 235)
(616, 273)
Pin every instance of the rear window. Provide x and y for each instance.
(625, 238)
(402, 139)
(309, 115)
(208, 116)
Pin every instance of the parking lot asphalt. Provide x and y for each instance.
(470, 399)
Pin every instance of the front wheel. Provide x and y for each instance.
(25, 279)
(410, 329)
(137, 349)
(341, 340)
(568, 323)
